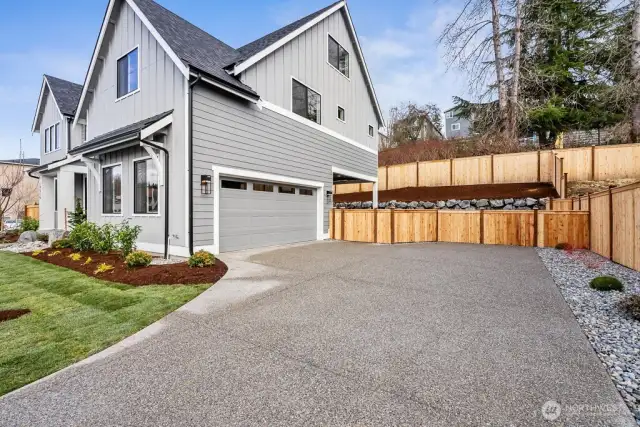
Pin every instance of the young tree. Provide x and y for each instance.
(14, 191)
(410, 122)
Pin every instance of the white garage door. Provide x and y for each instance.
(256, 214)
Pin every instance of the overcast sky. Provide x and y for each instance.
(398, 39)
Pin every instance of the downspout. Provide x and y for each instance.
(69, 122)
(166, 193)
(190, 154)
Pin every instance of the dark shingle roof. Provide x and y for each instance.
(262, 43)
(67, 94)
(194, 46)
(128, 130)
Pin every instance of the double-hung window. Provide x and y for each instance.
(145, 191)
(338, 57)
(128, 73)
(56, 136)
(52, 138)
(47, 140)
(305, 102)
(112, 190)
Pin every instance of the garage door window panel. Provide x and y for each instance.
(261, 187)
(233, 185)
(285, 189)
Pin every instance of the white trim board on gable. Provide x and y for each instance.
(243, 66)
(103, 29)
(45, 83)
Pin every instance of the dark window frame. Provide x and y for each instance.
(301, 105)
(340, 56)
(113, 186)
(371, 131)
(344, 114)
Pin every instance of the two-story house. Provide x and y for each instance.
(207, 146)
(455, 125)
(61, 181)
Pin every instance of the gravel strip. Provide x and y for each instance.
(25, 247)
(613, 334)
(162, 261)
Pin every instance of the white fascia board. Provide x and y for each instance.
(155, 127)
(261, 176)
(352, 174)
(314, 125)
(35, 118)
(226, 88)
(239, 68)
(105, 23)
(352, 28)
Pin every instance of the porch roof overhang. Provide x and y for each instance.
(125, 136)
(343, 176)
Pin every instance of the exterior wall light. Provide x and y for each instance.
(205, 184)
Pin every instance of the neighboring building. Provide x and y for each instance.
(17, 188)
(421, 129)
(213, 147)
(455, 126)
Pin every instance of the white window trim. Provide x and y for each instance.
(308, 87)
(139, 83)
(133, 190)
(102, 167)
(329, 62)
(449, 114)
(374, 131)
(222, 171)
(51, 130)
(453, 126)
(345, 114)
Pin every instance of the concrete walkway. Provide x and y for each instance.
(346, 334)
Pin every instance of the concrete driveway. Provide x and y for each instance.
(347, 334)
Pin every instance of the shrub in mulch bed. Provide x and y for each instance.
(12, 314)
(168, 274)
(10, 238)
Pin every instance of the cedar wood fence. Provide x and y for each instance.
(555, 166)
(32, 211)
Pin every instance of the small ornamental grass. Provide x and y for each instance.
(75, 257)
(38, 252)
(606, 283)
(103, 268)
(138, 259)
(201, 259)
(87, 261)
(54, 253)
(631, 305)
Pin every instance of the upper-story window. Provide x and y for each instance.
(305, 102)
(52, 138)
(128, 73)
(341, 114)
(449, 114)
(338, 57)
(371, 130)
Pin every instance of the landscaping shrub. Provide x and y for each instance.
(54, 253)
(82, 236)
(61, 244)
(37, 252)
(103, 268)
(103, 238)
(75, 257)
(29, 224)
(202, 259)
(126, 236)
(606, 283)
(138, 259)
(42, 237)
(631, 305)
(564, 246)
(87, 261)
(78, 216)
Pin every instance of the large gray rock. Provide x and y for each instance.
(28, 237)
(441, 204)
(509, 208)
(413, 205)
(520, 203)
(496, 203)
(392, 204)
(451, 203)
(367, 205)
(531, 202)
(382, 205)
(428, 205)
(56, 235)
(464, 204)
(544, 201)
(508, 201)
(482, 203)
(401, 205)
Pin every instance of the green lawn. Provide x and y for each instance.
(72, 316)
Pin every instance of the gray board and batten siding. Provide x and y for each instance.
(233, 133)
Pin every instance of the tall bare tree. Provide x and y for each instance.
(635, 71)
(410, 122)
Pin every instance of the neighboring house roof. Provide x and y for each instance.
(132, 130)
(262, 43)
(30, 161)
(65, 94)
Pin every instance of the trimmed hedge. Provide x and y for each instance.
(606, 283)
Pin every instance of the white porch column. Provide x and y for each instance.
(375, 195)
(46, 202)
(66, 195)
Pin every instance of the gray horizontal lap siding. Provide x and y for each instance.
(232, 133)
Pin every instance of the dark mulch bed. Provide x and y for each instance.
(170, 274)
(10, 238)
(12, 314)
(459, 192)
